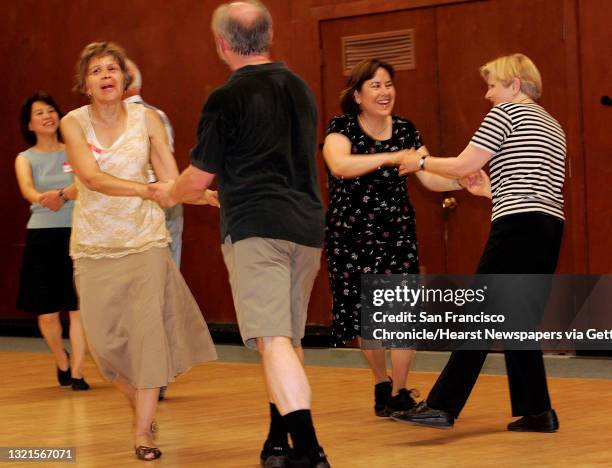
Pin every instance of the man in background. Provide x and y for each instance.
(174, 215)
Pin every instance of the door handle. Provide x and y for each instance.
(606, 101)
(449, 203)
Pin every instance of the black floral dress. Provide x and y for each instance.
(370, 223)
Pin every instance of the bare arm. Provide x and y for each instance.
(86, 167)
(191, 187)
(71, 192)
(162, 158)
(468, 162)
(435, 182)
(49, 199)
(341, 163)
(23, 170)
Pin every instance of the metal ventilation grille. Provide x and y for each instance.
(394, 47)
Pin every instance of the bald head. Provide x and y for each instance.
(246, 26)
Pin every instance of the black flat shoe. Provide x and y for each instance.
(425, 416)
(546, 421)
(79, 385)
(63, 376)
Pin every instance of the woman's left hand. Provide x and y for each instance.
(51, 200)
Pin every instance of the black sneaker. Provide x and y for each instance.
(315, 460)
(403, 401)
(382, 395)
(274, 456)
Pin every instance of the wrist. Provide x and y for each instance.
(421, 164)
(62, 195)
(172, 195)
(143, 191)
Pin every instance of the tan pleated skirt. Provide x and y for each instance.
(140, 318)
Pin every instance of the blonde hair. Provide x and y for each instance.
(99, 49)
(508, 67)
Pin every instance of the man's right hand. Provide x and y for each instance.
(162, 193)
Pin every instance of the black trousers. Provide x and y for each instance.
(525, 243)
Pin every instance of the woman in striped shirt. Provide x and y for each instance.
(525, 148)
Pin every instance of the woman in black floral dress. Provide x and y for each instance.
(370, 220)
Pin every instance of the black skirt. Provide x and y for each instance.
(46, 283)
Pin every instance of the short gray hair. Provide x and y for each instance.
(134, 72)
(244, 38)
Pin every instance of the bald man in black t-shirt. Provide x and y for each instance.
(257, 134)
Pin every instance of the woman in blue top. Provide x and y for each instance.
(46, 286)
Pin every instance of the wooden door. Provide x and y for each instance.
(430, 100)
(595, 43)
(470, 35)
(444, 97)
(417, 100)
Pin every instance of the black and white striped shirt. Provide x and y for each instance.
(528, 162)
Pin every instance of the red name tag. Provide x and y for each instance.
(95, 151)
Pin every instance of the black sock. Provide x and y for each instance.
(302, 432)
(277, 436)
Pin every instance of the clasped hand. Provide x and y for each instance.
(408, 161)
(477, 183)
(51, 200)
(163, 194)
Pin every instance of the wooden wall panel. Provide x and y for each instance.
(172, 43)
(499, 28)
(416, 99)
(596, 43)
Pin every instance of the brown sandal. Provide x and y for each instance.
(142, 452)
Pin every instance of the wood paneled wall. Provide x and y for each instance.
(172, 44)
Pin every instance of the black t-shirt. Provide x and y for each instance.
(257, 133)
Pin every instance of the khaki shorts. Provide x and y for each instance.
(271, 283)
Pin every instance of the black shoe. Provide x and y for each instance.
(382, 395)
(315, 460)
(425, 416)
(162, 393)
(63, 376)
(274, 456)
(79, 385)
(403, 401)
(543, 422)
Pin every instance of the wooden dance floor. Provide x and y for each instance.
(216, 416)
